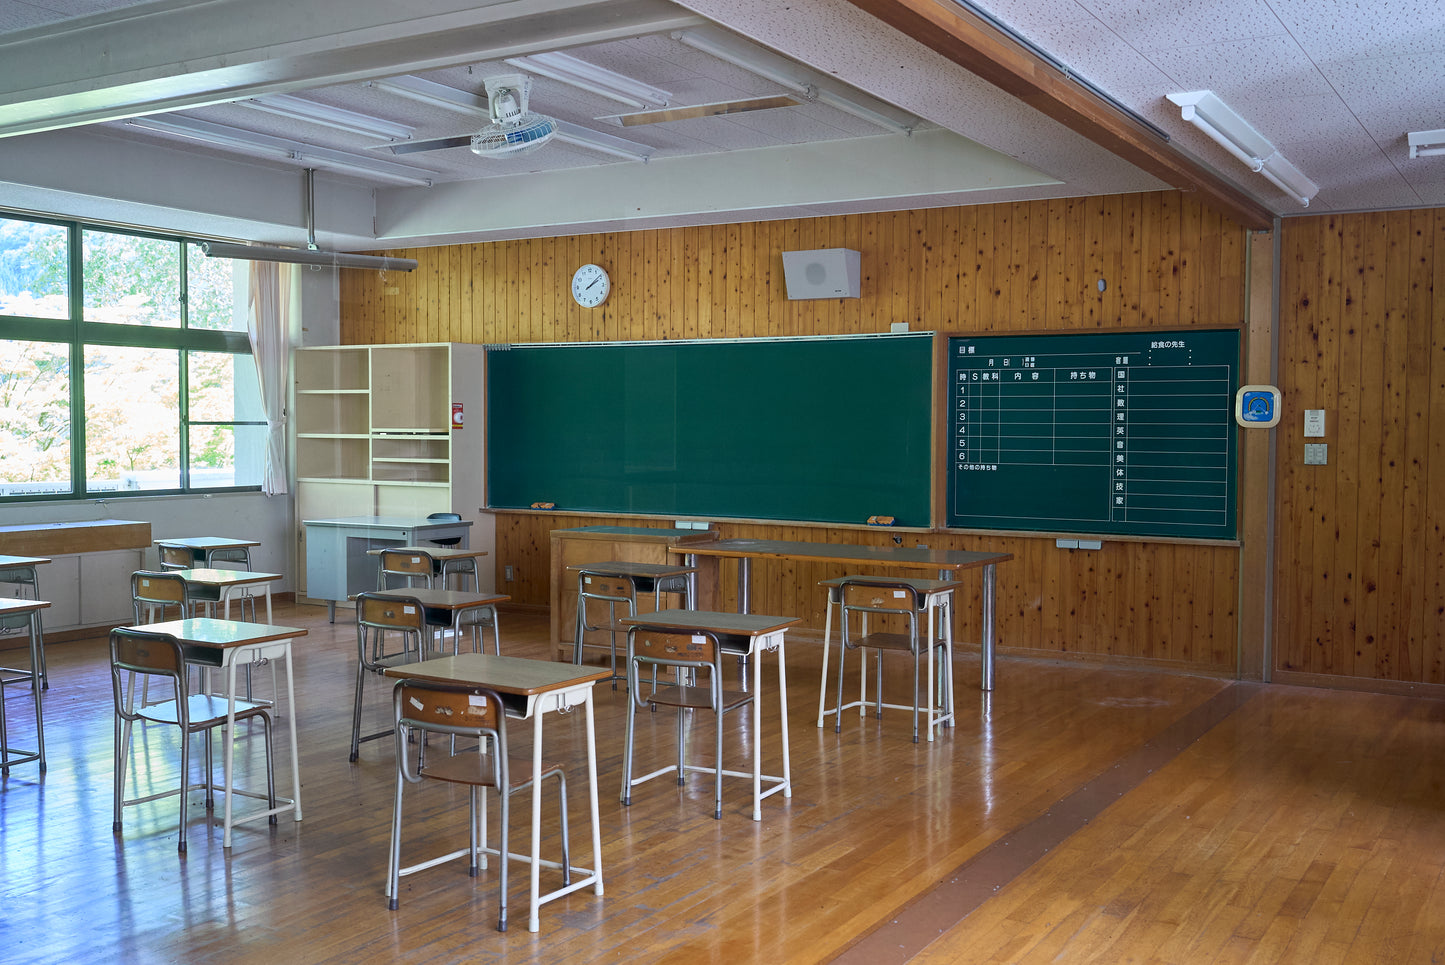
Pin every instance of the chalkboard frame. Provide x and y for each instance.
(1223, 345)
(867, 401)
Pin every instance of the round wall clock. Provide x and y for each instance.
(590, 286)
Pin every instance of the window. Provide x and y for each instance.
(124, 366)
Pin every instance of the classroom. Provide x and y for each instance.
(733, 274)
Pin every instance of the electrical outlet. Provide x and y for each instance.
(507, 573)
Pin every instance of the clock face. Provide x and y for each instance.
(590, 286)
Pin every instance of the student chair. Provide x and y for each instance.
(143, 654)
(409, 566)
(376, 618)
(24, 576)
(695, 657)
(598, 598)
(422, 708)
(901, 611)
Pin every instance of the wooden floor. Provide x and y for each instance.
(1079, 815)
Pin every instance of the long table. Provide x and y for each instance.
(945, 563)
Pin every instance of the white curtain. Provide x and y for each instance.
(268, 323)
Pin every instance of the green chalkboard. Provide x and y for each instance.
(816, 429)
(1111, 433)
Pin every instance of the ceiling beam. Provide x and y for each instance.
(177, 55)
(981, 48)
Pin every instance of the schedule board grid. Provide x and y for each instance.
(1132, 434)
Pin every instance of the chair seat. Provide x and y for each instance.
(473, 768)
(698, 697)
(201, 708)
(883, 640)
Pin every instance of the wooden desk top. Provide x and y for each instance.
(212, 577)
(629, 568)
(442, 599)
(7, 562)
(438, 553)
(730, 624)
(899, 557)
(80, 536)
(222, 634)
(507, 675)
(8, 605)
(208, 542)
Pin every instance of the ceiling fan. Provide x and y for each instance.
(513, 131)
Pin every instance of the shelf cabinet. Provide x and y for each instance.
(374, 435)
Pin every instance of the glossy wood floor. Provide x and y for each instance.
(1079, 815)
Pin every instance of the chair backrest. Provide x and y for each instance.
(390, 613)
(422, 705)
(594, 592)
(175, 557)
(135, 652)
(150, 588)
(410, 563)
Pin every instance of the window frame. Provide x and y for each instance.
(78, 333)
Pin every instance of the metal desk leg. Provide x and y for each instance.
(745, 570)
(986, 664)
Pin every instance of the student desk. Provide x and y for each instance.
(946, 563)
(20, 571)
(531, 688)
(227, 644)
(12, 611)
(746, 634)
(444, 560)
(226, 583)
(445, 609)
(203, 549)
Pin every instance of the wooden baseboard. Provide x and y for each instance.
(1370, 685)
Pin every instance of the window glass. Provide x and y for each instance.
(132, 419)
(223, 391)
(210, 292)
(130, 280)
(34, 418)
(34, 270)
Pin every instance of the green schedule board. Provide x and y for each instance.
(815, 429)
(1108, 433)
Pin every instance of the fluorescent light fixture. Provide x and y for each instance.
(264, 145)
(598, 80)
(780, 70)
(429, 92)
(305, 256)
(338, 118)
(1427, 143)
(1206, 111)
(584, 137)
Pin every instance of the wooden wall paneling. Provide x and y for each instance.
(1371, 427)
(1414, 464)
(1395, 659)
(1094, 267)
(1298, 273)
(1131, 280)
(1111, 231)
(1359, 397)
(1435, 467)
(1326, 510)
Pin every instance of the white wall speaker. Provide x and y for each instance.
(823, 273)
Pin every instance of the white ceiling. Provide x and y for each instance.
(1335, 87)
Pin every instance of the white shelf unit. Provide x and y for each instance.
(374, 436)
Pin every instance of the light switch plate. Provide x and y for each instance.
(1317, 453)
